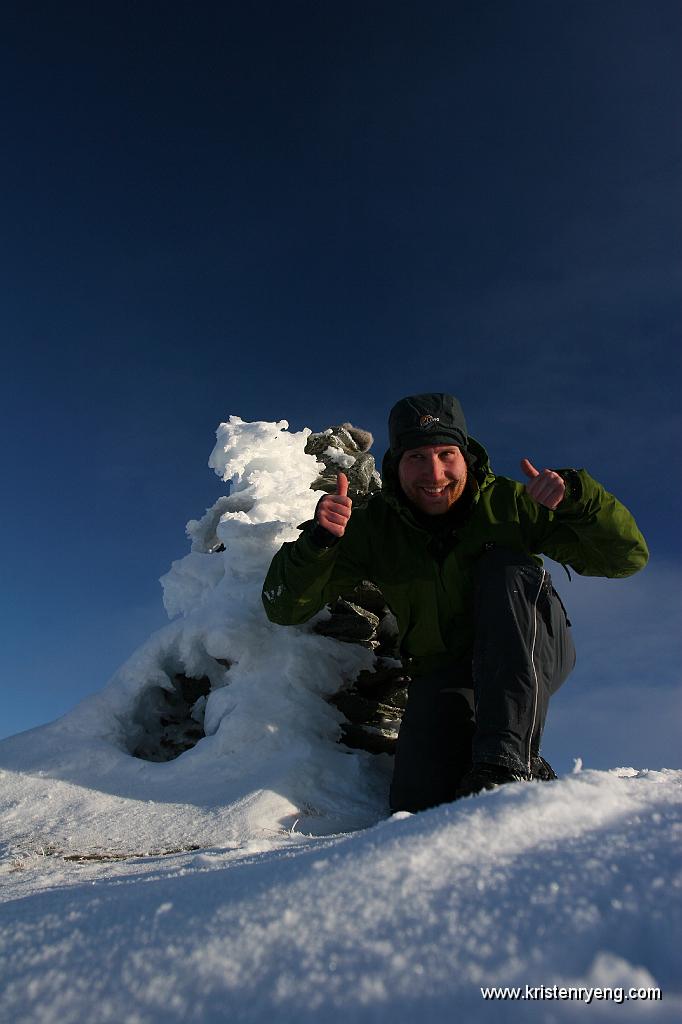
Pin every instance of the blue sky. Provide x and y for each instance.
(305, 211)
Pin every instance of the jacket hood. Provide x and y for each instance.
(391, 491)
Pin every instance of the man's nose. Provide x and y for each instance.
(433, 469)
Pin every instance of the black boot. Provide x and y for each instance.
(541, 770)
(487, 776)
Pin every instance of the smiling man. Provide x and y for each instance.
(433, 477)
(455, 550)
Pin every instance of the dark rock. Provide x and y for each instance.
(192, 689)
(361, 711)
(373, 706)
(344, 448)
(349, 622)
(387, 684)
(168, 722)
(363, 438)
(369, 597)
(360, 737)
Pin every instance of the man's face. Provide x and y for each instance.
(433, 477)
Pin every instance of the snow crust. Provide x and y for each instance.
(258, 877)
(573, 883)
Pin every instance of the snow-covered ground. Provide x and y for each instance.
(258, 877)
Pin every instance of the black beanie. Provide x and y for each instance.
(426, 419)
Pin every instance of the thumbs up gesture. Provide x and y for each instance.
(547, 487)
(334, 510)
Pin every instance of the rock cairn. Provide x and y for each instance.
(374, 703)
(166, 722)
(345, 448)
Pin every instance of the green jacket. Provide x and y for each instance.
(427, 582)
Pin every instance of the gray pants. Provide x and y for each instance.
(490, 708)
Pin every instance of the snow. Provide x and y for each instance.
(258, 877)
(340, 457)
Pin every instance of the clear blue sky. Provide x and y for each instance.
(306, 210)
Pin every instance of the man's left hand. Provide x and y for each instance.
(546, 487)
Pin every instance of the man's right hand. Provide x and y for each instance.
(334, 510)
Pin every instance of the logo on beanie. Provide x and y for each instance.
(425, 422)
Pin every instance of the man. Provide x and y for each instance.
(454, 549)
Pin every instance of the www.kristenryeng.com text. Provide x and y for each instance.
(578, 993)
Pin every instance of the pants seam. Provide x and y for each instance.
(535, 674)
